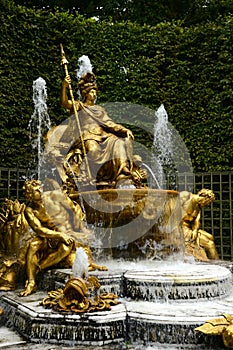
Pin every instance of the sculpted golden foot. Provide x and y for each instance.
(93, 266)
(30, 287)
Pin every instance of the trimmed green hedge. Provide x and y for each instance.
(189, 70)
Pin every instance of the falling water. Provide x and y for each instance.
(152, 174)
(39, 123)
(162, 147)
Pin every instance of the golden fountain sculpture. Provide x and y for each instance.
(46, 230)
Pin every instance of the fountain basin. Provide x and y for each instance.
(134, 221)
(38, 324)
(105, 205)
(194, 282)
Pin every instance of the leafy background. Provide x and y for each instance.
(188, 68)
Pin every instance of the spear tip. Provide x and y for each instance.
(63, 57)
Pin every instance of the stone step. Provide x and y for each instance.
(10, 338)
(135, 322)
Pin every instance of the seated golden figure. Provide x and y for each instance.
(49, 246)
(54, 228)
(107, 145)
(199, 243)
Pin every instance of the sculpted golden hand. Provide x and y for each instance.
(65, 238)
(67, 81)
(65, 102)
(129, 134)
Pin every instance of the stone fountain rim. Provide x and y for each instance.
(135, 190)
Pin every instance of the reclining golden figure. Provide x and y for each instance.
(50, 237)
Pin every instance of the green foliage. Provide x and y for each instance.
(188, 69)
(139, 11)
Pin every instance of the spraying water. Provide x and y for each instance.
(84, 66)
(162, 146)
(80, 266)
(40, 122)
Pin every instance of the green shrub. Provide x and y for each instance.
(189, 70)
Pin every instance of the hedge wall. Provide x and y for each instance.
(189, 70)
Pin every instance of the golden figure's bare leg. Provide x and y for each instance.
(32, 266)
(58, 255)
(207, 242)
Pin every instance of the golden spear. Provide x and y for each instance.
(65, 65)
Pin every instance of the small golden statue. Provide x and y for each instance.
(219, 326)
(50, 245)
(75, 297)
(199, 243)
(13, 226)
